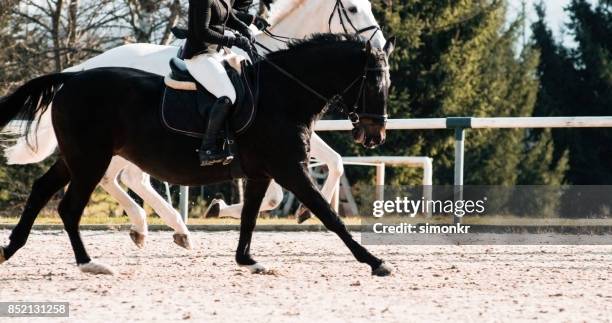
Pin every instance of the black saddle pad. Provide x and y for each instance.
(180, 109)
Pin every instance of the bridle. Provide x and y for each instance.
(337, 101)
(343, 16)
(340, 10)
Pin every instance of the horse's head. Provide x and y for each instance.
(344, 71)
(369, 114)
(355, 16)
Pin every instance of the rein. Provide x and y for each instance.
(337, 100)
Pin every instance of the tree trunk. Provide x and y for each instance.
(55, 34)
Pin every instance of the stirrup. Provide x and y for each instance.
(228, 160)
(212, 158)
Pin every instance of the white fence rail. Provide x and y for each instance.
(459, 125)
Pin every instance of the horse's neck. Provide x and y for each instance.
(313, 71)
(296, 19)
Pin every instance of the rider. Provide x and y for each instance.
(202, 53)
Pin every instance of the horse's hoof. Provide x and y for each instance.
(96, 268)
(2, 259)
(213, 210)
(182, 240)
(138, 238)
(382, 270)
(303, 214)
(255, 268)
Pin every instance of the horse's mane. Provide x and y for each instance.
(321, 40)
(280, 9)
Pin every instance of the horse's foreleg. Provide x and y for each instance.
(140, 183)
(321, 151)
(42, 190)
(136, 213)
(254, 193)
(298, 181)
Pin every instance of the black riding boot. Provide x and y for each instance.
(210, 152)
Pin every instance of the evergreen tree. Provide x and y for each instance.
(458, 58)
(578, 82)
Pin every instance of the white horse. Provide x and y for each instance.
(289, 18)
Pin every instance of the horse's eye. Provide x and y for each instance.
(352, 9)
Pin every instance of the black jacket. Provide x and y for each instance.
(207, 21)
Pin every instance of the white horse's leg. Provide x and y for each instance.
(272, 199)
(136, 214)
(321, 151)
(140, 183)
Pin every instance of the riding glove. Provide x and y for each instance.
(243, 43)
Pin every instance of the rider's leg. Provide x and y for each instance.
(272, 199)
(210, 151)
(208, 71)
(140, 183)
(109, 183)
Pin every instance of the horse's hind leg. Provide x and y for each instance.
(42, 190)
(85, 176)
(140, 182)
(271, 200)
(137, 214)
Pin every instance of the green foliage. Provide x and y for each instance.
(578, 82)
(458, 58)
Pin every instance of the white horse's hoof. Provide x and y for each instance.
(255, 268)
(96, 268)
(182, 240)
(2, 259)
(138, 238)
(382, 270)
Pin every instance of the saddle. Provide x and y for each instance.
(185, 103)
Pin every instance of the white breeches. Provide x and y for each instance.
(209, 72)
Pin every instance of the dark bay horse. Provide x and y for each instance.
(104, 112)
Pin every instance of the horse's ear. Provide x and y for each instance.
(389, 46)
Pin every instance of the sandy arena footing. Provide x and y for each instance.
(312, 278)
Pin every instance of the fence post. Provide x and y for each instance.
(428, 184)
(184, 202)
(459, 155)
(380, 181)
(459, 124)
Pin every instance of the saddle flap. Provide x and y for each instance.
(186, 111)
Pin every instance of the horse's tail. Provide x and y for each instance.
(29, 101)
(34, 148)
